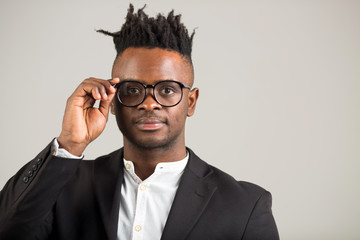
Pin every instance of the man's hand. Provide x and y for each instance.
(82, 122)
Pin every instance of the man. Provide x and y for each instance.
(152, 188)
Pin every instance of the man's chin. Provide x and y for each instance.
(150, 143)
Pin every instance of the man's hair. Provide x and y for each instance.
(140, 30)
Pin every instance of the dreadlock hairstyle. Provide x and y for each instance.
(140, 30)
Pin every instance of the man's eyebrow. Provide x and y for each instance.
(142, 81)
(130, 80)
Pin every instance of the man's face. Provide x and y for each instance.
(151, 125)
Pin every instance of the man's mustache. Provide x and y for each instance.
(149, 116)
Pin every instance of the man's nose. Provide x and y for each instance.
(149, 102)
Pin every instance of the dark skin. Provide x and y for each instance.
(151, 133)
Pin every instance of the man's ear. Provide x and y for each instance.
(192, 99)
(112, 107)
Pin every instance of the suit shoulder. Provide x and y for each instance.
(226, 180)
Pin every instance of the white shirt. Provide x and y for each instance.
(144, 205)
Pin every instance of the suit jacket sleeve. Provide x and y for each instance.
(27, 199)
(261, 224)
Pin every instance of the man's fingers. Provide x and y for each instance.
(114, 81)
(95, 93)
(104, 105)
(82, 121)
(106, 88)
(98, 89)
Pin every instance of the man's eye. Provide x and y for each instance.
(133, 91)
(167, 91)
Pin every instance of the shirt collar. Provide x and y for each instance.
(163, 167)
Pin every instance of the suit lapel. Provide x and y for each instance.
(108, 177)
(191, 199)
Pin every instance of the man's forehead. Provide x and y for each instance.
(155, 63)
(148, 56)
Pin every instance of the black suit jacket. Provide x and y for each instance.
(56, 198)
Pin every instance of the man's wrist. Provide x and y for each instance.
(58, 151)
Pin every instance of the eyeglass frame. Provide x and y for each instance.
(182, 85)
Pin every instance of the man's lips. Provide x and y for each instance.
(149, 123)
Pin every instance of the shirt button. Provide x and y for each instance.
(53, 152)
(138, 228)
(142, 187)
(127, 165)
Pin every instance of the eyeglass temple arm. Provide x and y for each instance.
(186, 86)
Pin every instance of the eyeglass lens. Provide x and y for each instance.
(167, 93)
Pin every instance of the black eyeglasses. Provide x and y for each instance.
(167, 93)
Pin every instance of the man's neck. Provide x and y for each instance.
(145, 159)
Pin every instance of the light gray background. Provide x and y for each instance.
(279, 94)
